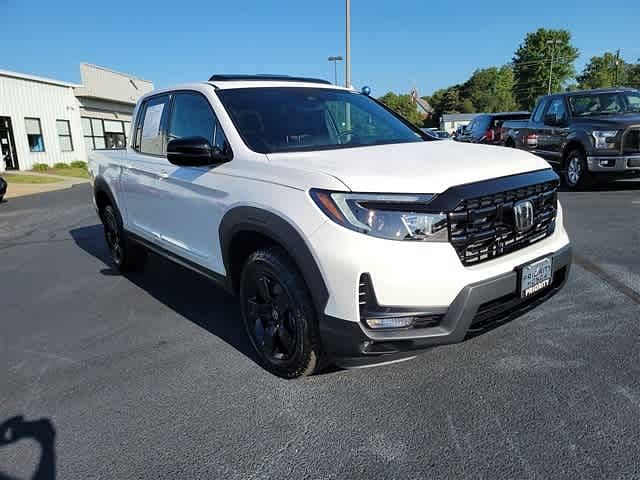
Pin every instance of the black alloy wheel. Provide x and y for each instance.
(270, 317)
(278, 315)
(113, 235)
(125, 256)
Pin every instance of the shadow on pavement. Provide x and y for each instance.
(42, 431)
(184, 291)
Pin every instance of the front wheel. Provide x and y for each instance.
(278, 314)
(576, 174)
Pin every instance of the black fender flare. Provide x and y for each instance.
(575, 139)
(100, 185)
(253, 219)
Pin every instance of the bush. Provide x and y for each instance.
(40, 167)
(61, 165)
(79, 164)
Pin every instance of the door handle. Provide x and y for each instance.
(163, 174)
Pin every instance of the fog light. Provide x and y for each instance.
(608, 163)
(392, 322)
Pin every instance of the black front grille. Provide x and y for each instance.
(483, 228)
(632, 141)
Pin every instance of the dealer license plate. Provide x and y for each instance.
(535, 277)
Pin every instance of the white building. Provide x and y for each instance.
(450, 122)
(50, 121)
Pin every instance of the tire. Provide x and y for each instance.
(510, 143)
(125, 256)
(278, 314)
(576, 174)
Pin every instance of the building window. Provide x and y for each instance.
(114, 134)
(102, 134)
(34, 134)
(64, 135)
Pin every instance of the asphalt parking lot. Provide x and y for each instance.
(150, 375)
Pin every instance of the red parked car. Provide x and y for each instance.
(487, 127)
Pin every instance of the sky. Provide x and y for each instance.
(396, 45)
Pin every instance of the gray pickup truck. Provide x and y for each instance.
(589, 136)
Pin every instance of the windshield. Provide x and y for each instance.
(283, 119)
(608, 103)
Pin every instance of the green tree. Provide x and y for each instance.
(600, 72)
(447, 100)
(633, 75)
(532, 63)
(403, 105)
(491, 90)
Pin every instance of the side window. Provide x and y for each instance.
(537, 115)
(192, 116)
(481, 125)
(149, 132)
(470, 126)
(557, 109)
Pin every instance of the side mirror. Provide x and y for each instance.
(194, 152)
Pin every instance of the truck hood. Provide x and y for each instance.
(421, 167)
(612, 122)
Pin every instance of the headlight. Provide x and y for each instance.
(395, 217)
(605, 139)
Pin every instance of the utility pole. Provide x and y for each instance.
(347, 73)
(615, 81)
(335, 60)
(553, 54)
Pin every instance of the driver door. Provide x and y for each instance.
(555, 130)
(192, 206)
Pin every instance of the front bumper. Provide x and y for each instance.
(477, 308)
(619, 164)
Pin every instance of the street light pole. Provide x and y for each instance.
(347, 74)
(553, 53)
(335, 60)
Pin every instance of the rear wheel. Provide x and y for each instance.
(125, 256)
(278, 314)
(576, 174)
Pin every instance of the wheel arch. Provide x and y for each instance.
(243, 229)
(103, 195)
(571, 145)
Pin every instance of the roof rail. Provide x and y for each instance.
(266, 77)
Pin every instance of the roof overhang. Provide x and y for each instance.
(34, 78)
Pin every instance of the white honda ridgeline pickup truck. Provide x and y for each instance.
(347, 234)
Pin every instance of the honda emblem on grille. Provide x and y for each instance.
(523, 213)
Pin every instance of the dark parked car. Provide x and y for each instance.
(436, 134)
(3, 188)
(587, 135)
(486, 127)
